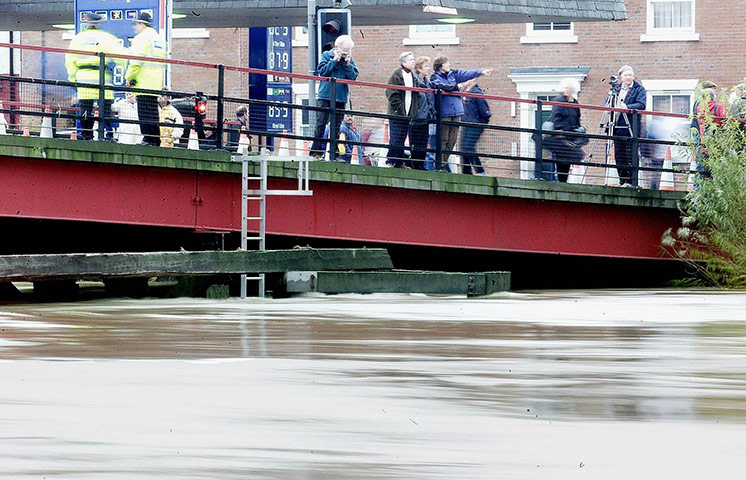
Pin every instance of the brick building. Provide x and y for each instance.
(671, 45)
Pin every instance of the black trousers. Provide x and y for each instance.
(322, 118)
(418, 136)
(624, 160)
(87, 118)
(471, 164)
(147, 113)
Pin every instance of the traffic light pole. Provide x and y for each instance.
(312, 59)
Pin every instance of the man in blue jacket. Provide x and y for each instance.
(336, 63)
(451, 108)
(632, 95)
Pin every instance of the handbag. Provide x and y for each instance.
(546, 126)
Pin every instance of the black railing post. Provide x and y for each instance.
(538, 154)
(635, 147)
(101, 94)
(438, 130)
(333, 126)
(221, 107)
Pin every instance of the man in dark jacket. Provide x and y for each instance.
(336, 63)
(403, 103)
(632, 95)
(476, 110)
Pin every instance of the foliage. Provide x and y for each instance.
(712, 237)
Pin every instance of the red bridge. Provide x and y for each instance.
(62, 195)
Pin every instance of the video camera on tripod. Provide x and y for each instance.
(615, 86)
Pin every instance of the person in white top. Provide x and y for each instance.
(126, 109)
(404, 105)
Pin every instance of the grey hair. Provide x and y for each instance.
(709, 93)
(342, 40)
(573, 84)
(404, 55)
(624, 68)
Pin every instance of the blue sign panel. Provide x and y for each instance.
(271, 49)
(279, 118)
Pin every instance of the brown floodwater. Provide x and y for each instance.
(543, 385)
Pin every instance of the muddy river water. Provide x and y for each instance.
(534, 385)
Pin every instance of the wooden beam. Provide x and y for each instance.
(470, 284)
(104, 265)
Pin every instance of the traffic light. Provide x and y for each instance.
(331, 23)
(200, 104)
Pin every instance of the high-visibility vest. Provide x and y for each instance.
(85, 68)
(147, 43)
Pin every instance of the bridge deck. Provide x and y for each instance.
(111, 183)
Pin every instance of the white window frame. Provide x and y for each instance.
(655, 87)
(432, 38)
(529, 86)
(670, 87)
(300, 93)
(190, 33)
(681, 34)
(549, 36)
(300, 38)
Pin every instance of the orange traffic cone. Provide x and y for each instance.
(26, 132)
(611, 178)
(577, 174)
(243, 144)
(3, 122)
(46, 124)
(284, 149)
(355, 159)
(305, 148)
(193, 140)
(691, 179)
(667, 182)
(74, 134)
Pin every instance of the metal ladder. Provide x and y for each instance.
(260, 195)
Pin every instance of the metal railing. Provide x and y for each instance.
(503, 149)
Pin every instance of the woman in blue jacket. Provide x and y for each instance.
(476, 110)
(451, 108)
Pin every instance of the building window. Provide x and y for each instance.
(300, 36)
(670, 21)
(669, 96)
(432, 35)
(550, 32)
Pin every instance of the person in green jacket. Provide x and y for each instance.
(147, 75)
(84, 68)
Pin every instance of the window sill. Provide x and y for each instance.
(550, 39)
(431, 41)
(300, 43)
(190, 33)
(670, 37)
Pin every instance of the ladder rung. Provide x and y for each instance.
(254, 278)
(248, 197)
(254, 238)
(253, 178)
(253, 218)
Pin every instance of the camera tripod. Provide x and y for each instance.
(608, 124)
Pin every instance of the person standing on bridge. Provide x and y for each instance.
(147, 75)
(451, 108)
(85, 69)
(404, 104)
(566, 150)
(335, 63)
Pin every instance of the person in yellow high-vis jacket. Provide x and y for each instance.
(147, 75)
(85, 69)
